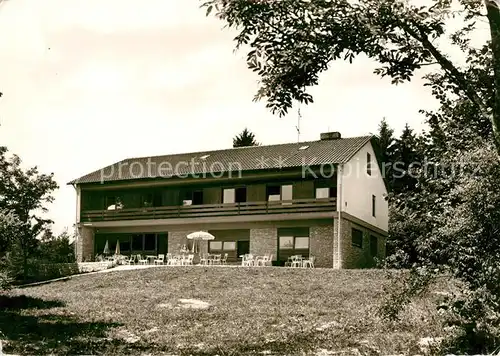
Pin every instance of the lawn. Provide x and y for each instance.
(207, 311)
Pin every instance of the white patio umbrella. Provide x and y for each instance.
(200, 235)
(117, 249)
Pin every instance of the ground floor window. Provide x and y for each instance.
(293, 241)
(150, 242)
(215, 246)
(137, 242)
(373, 246)
(131, 243)
(357, 238)
(234, 242)
(222, 246)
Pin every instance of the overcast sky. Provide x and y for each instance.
(87, 83)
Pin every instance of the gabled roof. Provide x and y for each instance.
(235, 159)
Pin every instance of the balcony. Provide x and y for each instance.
(208, 210)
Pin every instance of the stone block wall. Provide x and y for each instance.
(176, 239)
(85, 245)
(264, 241)
(354, 256)
(321, 245)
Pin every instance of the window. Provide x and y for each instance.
(368, 164)
(287, 192)
(357, 238)
(324, 193)
(373, 246)
(215, 245)
(273, 192)
(190, 197)
(374, 204)
(229, 196)
(277, 193)
(241, 195)
(150, 242)
(198, 197)
(293, 241)
(234, 195)
(286, 243)
(302, 243)
(229, 246)
(124, 245)
(137, 242)
(325, 188)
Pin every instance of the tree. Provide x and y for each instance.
(244, 139)
(385, 138)
(56, 249)
(450, 219)
(292, 42)
(23, 194)
(385, 148)
(407, 156)
(9, 227)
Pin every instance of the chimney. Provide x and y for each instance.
(325, 136)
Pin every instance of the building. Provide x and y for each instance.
(324, 198)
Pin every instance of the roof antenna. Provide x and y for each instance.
(299, 116)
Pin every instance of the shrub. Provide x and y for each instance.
(463, 242)
(5, 280)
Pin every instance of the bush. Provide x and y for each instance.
(37, 270)
(462, 241)
(45, 271)
(5, 280)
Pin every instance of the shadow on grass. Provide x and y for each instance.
(295, 344)
(46, 331)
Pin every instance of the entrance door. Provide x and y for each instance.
(243, 248)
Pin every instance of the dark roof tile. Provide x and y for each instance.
(245, 159)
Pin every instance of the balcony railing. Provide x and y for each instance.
(207, 210)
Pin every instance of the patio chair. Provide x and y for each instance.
(217, 260)
(160, 260)
(173, 260)
(263, 261)
(187, 260)
(296, 261)
(204, 259)
(142, 260)
(309, 262)
(269, 262)
(224, 259)
(130, 260)
(247, 261)
(256, 260)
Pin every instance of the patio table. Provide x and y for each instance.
(151, 258)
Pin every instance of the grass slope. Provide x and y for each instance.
(251, 310)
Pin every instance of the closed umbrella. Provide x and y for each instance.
(106, 248)
(117, 249)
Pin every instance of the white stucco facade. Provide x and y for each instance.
(359, 188)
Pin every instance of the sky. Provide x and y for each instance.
(87, 83)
